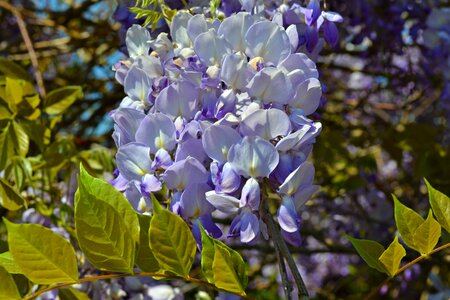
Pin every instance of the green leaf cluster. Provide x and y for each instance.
(417, 233)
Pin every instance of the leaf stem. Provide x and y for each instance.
(112, 276)
(375, 290)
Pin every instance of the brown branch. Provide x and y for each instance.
(28, 44)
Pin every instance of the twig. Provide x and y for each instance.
(111, 276)
(375, 290)
(284, 250)
(28, 44)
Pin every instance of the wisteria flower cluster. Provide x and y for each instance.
(213, 118)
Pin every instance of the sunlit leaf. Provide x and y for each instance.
(9, 197)
(8, 290)
(392, 257)
(407, 221)
(44, 256)
(171, 241)
(370, 251)
(440, 204)
(222, 266)
(106, 224)
(427, 235)
(7, 262)
(57, 101)
(72, 294)
(144, 255)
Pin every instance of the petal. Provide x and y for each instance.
(292, 33)
(193, 201)
(299, 67)
(251, 194)
(332, 16)
(290, 141)
(249, 227)
(133, 161)
(178, 100)
(267, 40)
(301, 177)
(162, 159)
(287, 215)
(178, 29)
(293, 238)
(266, 123)
(183, 173)
(304, 194)
(307, 96)
(270, 85)
(217, 148)
(235, 71)
(230, 181)
(137, 41)
(234, 28)
(253, 157)
(211, 48)
(149, 185)
(151, 65)
(127, 121)
(196, 25)
(157, 131)
(137, 84)
(224, 203)
(331, 33)
(210, 227)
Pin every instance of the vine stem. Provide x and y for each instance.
(28, 45)
(112, 276)
(282, 248)
(376, 289)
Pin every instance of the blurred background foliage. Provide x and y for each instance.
(385, 115)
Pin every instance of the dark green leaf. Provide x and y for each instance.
(72, 294)
(10, 69)
(171, 241)
(44, 256)
(144, 256)
(370, 251)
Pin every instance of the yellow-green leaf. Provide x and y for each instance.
(13, 70)
(427, 235)
(8, 290)
(14, 92)
(72, 294)
(44, 256)
(145, 259)
(171, 241)
(222, 266)
(9, 197)
(392, 257)
(7, 262)
(407, 221)
(227, 270)
(370, 251)
(57, 101)
(440, 204)
(107, 226)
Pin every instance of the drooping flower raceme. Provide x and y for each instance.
(214, 118)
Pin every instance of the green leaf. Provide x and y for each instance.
(13, 70)
(407, 221)
(57, 101)
(392, 257)
(228, 269)
(145, 259)
(72, 294)
(370, 251)
(14, 92)
(9, 289)
(440, 204)
(7, 262)
(106, 225)
(427, 235)
(207, 258)
(20, 139)
(171, 241)
(9, 197)
(222, 266)
(13, 141)
(44, 256)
